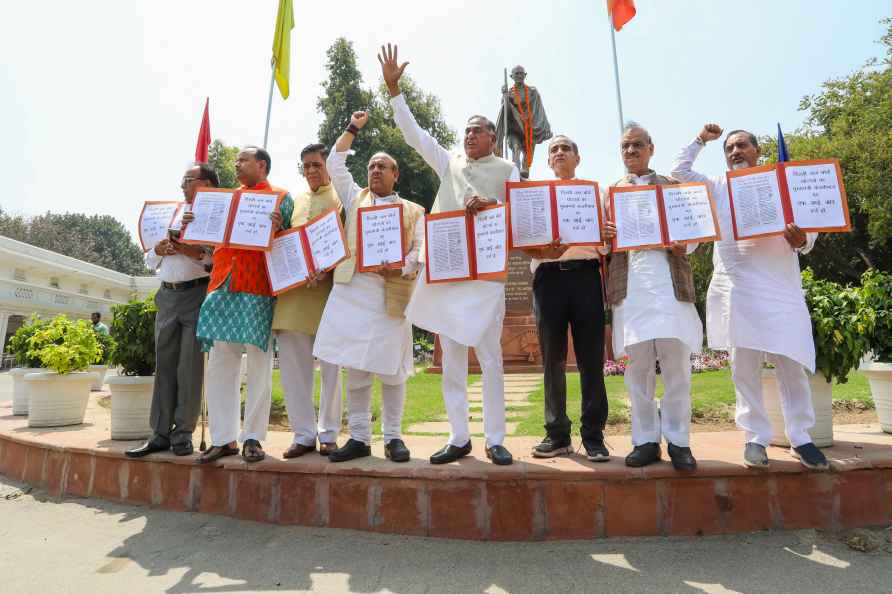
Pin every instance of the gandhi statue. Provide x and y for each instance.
(527, 123)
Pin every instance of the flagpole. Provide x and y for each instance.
(269, 102)
(619, 99)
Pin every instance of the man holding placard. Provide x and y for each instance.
(179, 365)
(465, 313)
(237, 316)
(567, 293)
(363, 327)
(296, 321)
(755, 308)
(651, 292)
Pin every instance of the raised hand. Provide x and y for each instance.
(391, 69)
(359, 118)
(710, 132)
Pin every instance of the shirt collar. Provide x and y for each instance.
(263, 185)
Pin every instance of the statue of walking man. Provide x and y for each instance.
(527, 123)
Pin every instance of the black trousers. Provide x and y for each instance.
(569, 294)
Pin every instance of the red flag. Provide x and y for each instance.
(204, 136)
(622, 12)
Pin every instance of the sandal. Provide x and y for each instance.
(215, 453)
(252, 452)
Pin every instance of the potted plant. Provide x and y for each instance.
(18, 346)
(133, 332)
(876, 296)
(839, 327)
(59, 396)
(100, 367)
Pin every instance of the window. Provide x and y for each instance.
(19, 274)
(54, 282)
(83, 290)
(107, 294)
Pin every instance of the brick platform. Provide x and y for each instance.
(563, 498)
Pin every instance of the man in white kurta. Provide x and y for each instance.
(651, 293)
(359, 331)
(466, 313)
(755, 308)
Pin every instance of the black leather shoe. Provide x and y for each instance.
(156, 444)
(451, 453)
(396, 450)
(350, 451)
(183, 448)
(682, 458)
(499, 455)
(643, 455)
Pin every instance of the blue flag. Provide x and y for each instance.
(782, 154)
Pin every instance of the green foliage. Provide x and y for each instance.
(876, 296)
(222, 158)
(19, 344)
(133, 330)
(840, 326)
(701, 265)
(343, 94)
(100, 240)
(65, 346)
(106, 345)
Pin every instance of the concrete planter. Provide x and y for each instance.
(131, 400)
(822, 400)
(100, 371)
(20, 389)
(56, 400)
(880, 377)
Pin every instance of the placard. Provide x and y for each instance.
(541, 212)
(233, 218)
(379, 237)
(155, 219)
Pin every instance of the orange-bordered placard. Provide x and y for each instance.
(340, 229)
(472, 237)
(551, 208)
(305, 249)
(234, 216)
(614, 190)
(556, 225)
(359, 242)
(785, 204)
(717, 236)
(148, 204)
(197, 203)
(843, 199)
(469, 237)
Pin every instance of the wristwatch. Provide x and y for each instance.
(353, 129)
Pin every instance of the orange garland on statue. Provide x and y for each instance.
(526, 120)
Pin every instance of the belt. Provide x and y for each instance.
(565, 265)
(186, 284)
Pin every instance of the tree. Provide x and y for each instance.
(851, 119)
(344, 94)
(222, 158)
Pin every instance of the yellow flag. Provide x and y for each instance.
(282, 46)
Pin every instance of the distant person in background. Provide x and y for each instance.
(98, 326)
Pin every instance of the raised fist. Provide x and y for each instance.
(710, 132)
(359, 118)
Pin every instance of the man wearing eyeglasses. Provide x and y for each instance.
(296, 320)
(176, 398)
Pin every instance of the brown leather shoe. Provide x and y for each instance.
(297, 450)
(215, 453)
(327, 447)
(252, 451)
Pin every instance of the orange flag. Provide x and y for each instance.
(622, 12)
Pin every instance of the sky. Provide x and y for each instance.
(101, 100)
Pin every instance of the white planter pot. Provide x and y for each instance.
(100, 371)
(56, 400)
(822, 400)
(20, 389)
(880, 377)
(131, 400)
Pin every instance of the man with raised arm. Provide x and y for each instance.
(363, 327)
(467, 313)
(755, 308)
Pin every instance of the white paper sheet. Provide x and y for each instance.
(252, 225)
(326, 243)
(211, 211)
(688, 212)
(577, 214)
(530, 215)
(447, 248)
(757, 203)
(285, 262)
(154, 222)
(637, 218)
(381, 237)
(491, 240)
(815, 196)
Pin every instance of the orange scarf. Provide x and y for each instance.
(526, 120)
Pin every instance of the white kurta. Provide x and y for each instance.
(755, 299)
(650, 309)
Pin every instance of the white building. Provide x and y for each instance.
(35, 280)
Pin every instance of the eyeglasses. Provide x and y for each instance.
(187, 179)
(310, 167)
